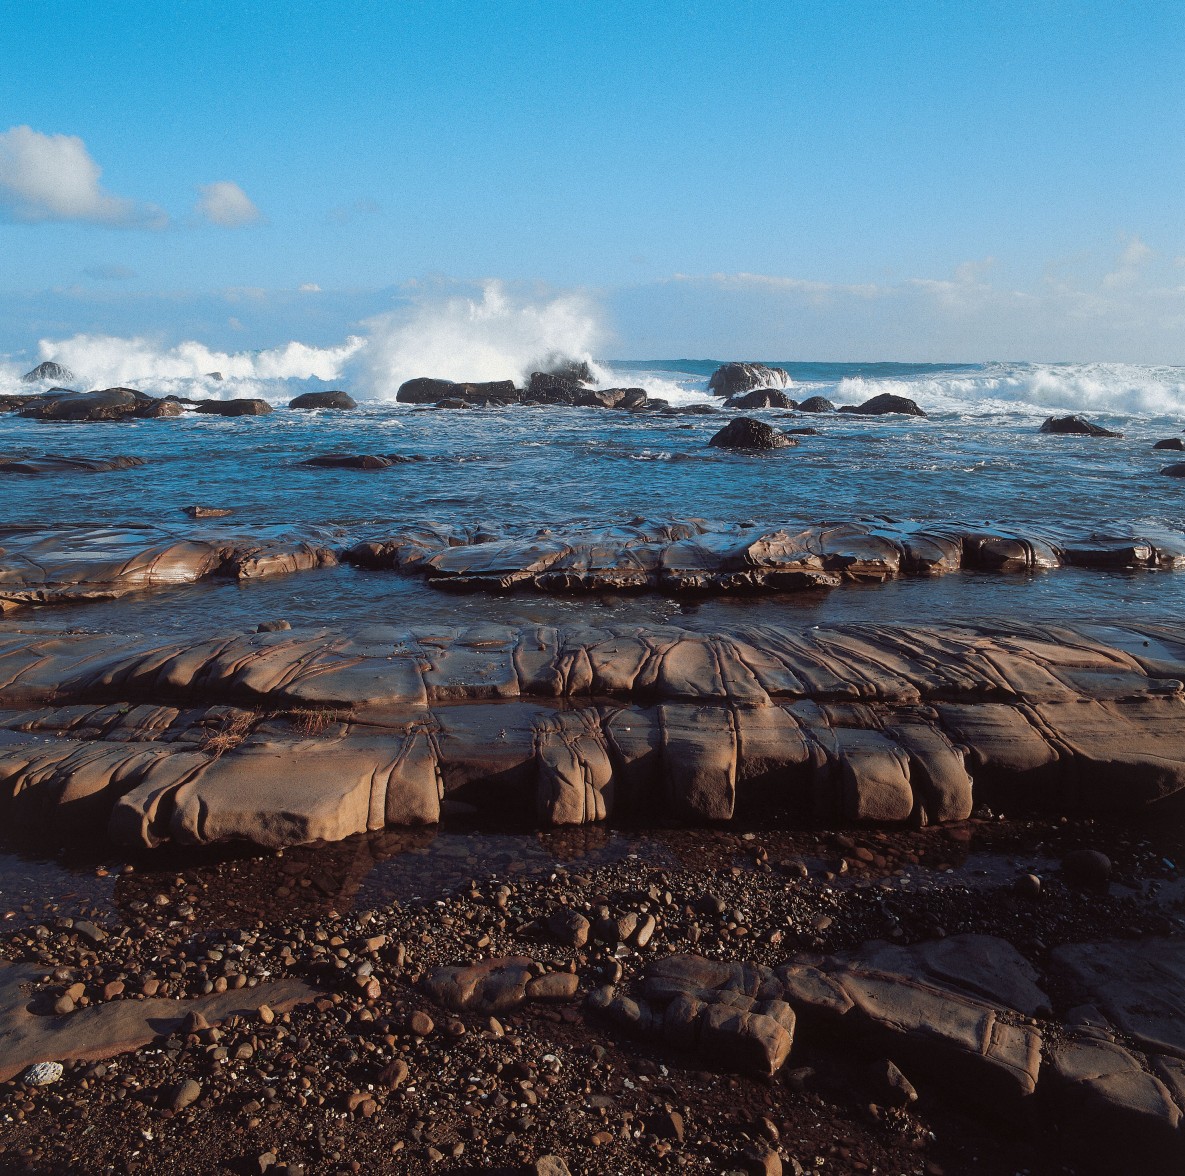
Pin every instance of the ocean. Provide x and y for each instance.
(978, 457)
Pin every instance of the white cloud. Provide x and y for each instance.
(54, 178)
(225, 203)
(1132, 258)
(310, 288)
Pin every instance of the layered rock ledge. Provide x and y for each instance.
(69, 564)
(288, 737)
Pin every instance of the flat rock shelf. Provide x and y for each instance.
(289, 737)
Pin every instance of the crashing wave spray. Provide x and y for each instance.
(460, 337)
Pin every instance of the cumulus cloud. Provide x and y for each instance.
(1131, 260)
(54, 178)
(225, 203)
(310, 288)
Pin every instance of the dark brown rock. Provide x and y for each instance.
(884, 404)
(233, 408)
(762, 398)
(816, 404)
(747, 433)
(335, 399)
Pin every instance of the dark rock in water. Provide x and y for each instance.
(1175, 471)
(548, 388)
(159, 409)
(746, 433)
(1076, 426)
(884, 404)
(690, 410)
(107, 404)
(1170, 443)
(762, 398)
(626, 399)
(335, 399)
(233, 408)
(427, 390)
(733, 379)
(215, 376)
(453, 402)
(207, 512)
(48, 371)
(349, 461)
(804, 432)
(816, 404)
(571, 369)
(54, 463)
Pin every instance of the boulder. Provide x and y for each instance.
(207, 512)
(54, 463)
(747, 433)
(549, 388)
(816, 404)
(884, 404)
(159, 409)
(1170, 443)
(762, 398)
(427, 390)
(626, 399)
(1076, 426)
(1175, 471)
(233, 408)
(48, 371)
(734, 379)
(335, 399)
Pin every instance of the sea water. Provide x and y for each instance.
(978, 457)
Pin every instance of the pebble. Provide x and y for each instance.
(185, 1094)
(1087, 867)
(420, 1023)
(43, 1074)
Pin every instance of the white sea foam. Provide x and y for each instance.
(493, 336)
(1036, 388)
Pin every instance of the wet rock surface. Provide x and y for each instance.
(884, 404)
(60, 564)
(732, 379)
(340, 733)
(56, 463)
(750, 434)
(1076, 426)
(333, 399)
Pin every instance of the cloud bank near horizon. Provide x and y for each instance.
(1131, 308)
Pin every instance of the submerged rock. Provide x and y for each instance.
(233, 408)
(207, 512)
(884, 404)
(816, 404)
(53, 463)
(349, 461)
(48, 371)
(1170, 443)
(747, 433)
(762, 398)
(1175, 471)
(732, 379)
(1076, 426)
(334, 399)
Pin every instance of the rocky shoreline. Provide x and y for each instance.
(759, 1002)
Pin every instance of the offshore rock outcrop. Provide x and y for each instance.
(46, 565)
(107, 404)
(761, 398)
(749, 434)
(48, 371)
(287, 737)
(1075, 426)
(732, 379)
(335, 399)
(885, 404)
(694, 555)
(56, 463)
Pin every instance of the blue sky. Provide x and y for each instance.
(799, 180)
